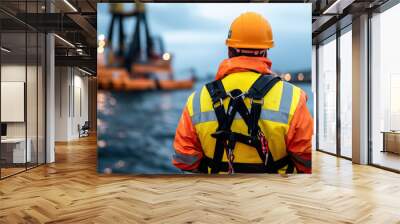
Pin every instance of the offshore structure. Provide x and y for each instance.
(140, 65)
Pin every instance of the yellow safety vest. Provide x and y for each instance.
(278, 108)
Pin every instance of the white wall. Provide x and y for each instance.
(71, 93)
(80, 100)
(62, 81)
(33, 127)
(13, 101)
(12, 73)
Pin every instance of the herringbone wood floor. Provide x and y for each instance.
(70, 191)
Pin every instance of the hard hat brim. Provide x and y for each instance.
(237, 44)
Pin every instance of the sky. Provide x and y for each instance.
(195, 33)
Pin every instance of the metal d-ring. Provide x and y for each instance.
(235, 97)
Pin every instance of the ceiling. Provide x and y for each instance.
(75, 21)
(329, 16)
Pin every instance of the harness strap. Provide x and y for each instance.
(274, 166)
(262, 86)
(225, 138)
(243, 111)
(218, 93)
(248, 167)
(232, 108)
(246, 115)
(216, 90)
(257, 91)
(245, 139)
(230, 142)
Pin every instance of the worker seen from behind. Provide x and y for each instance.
(247, 120)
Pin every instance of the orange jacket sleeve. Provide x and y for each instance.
(299, 137)
(188, 151)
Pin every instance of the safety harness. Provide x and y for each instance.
(226, 139)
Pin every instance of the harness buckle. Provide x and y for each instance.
(218, 103)
(257, 101)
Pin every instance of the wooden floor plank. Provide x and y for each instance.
(70, 191)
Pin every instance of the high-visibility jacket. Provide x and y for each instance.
(284, 120)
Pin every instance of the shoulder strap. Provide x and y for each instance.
(262, 86)
(216, 90)
(257, 91)
(218, 93)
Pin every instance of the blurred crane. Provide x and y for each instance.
(140, 60)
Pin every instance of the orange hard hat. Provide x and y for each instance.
(250, 30)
